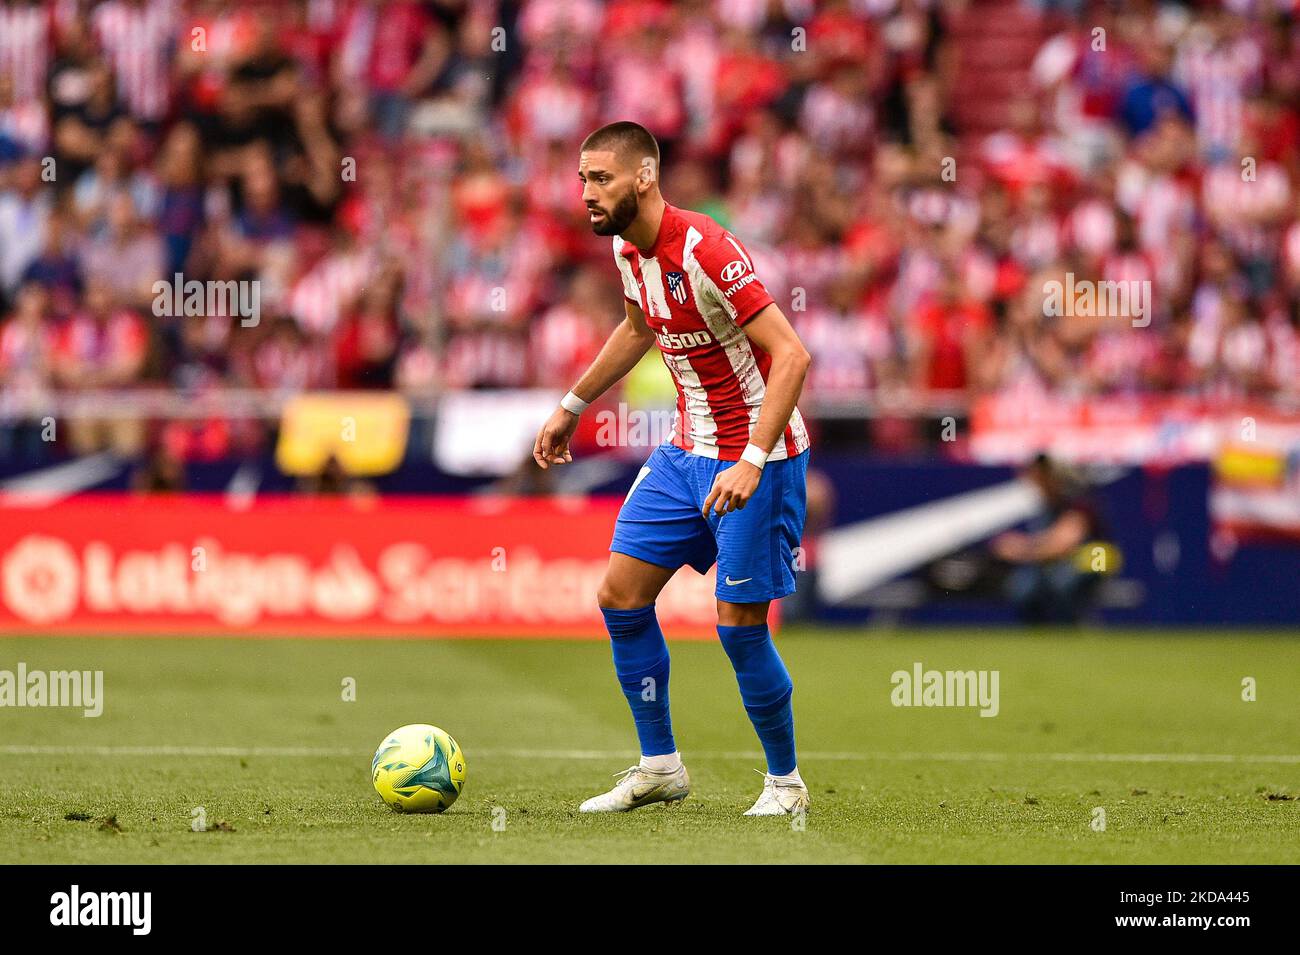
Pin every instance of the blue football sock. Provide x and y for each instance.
(765, 689)
(641, 662)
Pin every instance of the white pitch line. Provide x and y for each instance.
(317, 752)
(309, 751)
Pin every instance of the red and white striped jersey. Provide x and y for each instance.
(25, 49)
(697, 288)
(138, 41)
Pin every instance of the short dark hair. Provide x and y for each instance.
(627, 140)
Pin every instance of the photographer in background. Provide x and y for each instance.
(1053, 577)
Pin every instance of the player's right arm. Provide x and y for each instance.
(620, 354)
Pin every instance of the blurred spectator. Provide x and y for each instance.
(128, 257)
(59, 267)
(394, 50)
(26, 360)
(25, 41)
(951, 332)
(27, 340)
(852, 347)
(88, 118)
(285, 361)
(568, 336)
(137, 37)
(24, 210)
(1151, 95)
(103, 345)
(181, 210)
(24, 125)
(366, 349)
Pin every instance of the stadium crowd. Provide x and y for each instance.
(400, 180)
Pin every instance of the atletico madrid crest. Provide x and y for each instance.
(676, 286)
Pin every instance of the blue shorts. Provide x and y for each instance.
(662, 523)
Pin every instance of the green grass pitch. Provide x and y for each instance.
(1149, 727)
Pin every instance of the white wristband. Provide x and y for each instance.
(573, 404)
(755, 455)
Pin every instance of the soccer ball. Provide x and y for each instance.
(418, 768)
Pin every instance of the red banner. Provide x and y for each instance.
(298, 566)
(1169, 430)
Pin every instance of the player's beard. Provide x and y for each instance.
(621, 216)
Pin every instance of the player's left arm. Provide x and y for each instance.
(771, 331)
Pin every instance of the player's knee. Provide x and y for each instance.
(742, 615)
(613, 596)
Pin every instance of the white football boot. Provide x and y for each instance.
(780, 797)
(639, 786)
